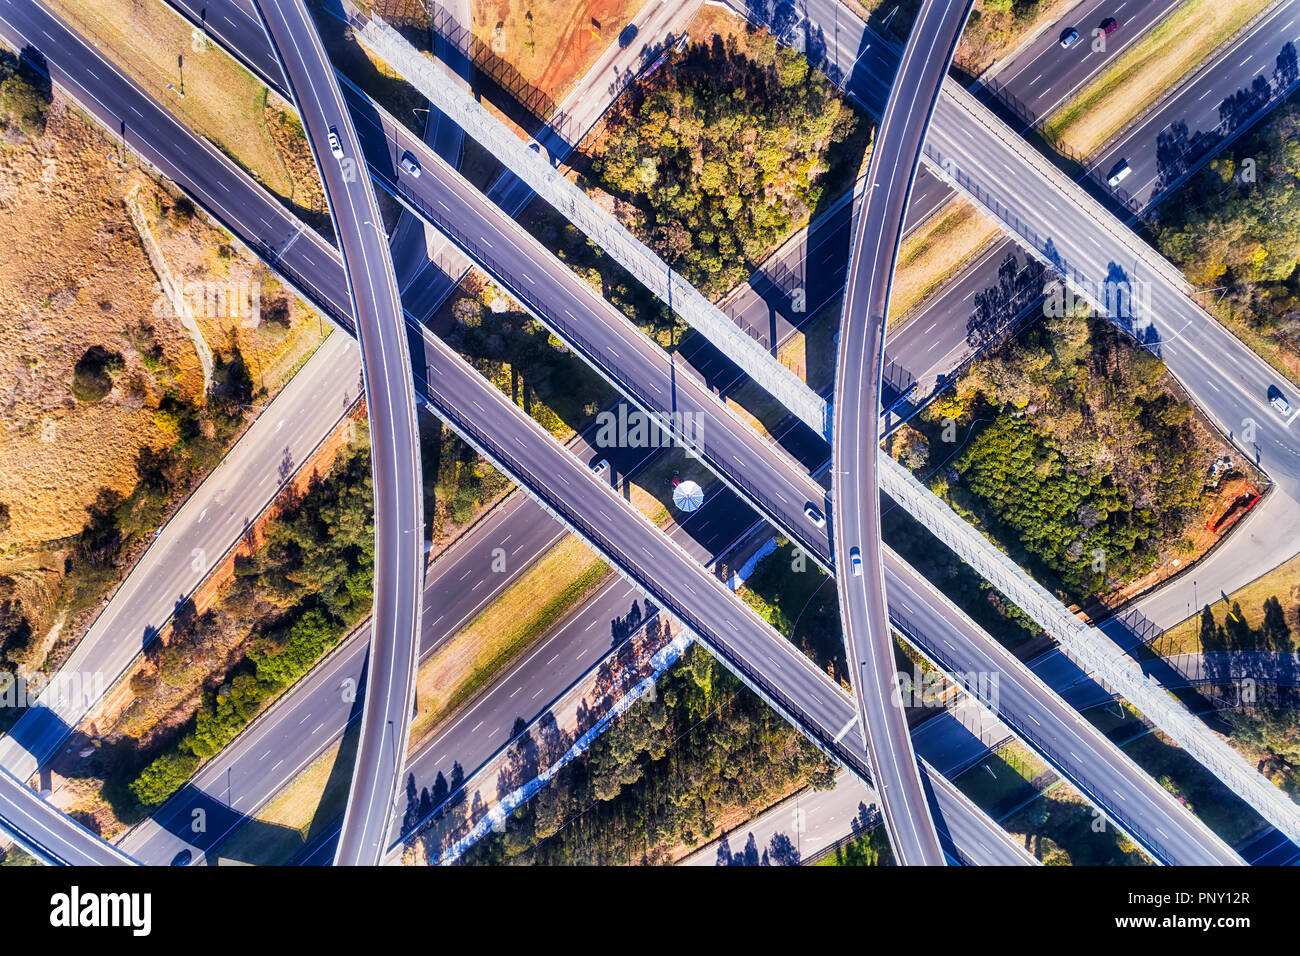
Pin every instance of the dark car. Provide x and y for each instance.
(1108, 26)
(627, 36)
(182, 858)
(1069, 38)
(1278, 400)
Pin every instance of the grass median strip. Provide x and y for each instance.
(1147, 70)
(203, 87)
(935, 253)
(297, 815)
(1266, 606)
(559, 582)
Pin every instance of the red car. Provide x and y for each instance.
(1108, 26)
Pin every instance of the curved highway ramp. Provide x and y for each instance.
(394, 433)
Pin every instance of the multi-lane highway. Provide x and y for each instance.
(51, 836)
(855, 442)
(394, 431)
(455, 385)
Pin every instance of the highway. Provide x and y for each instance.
(394, 432)
(855, 442)
(49, 834)
(1083, 238)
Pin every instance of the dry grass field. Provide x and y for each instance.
(223, 101)
(934, 253)
(74, 276)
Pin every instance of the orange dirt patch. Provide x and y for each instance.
(553, 44)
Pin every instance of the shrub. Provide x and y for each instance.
(92, 376)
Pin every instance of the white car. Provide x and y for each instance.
(855, 559)
(600, 467)
(336, 146)
(814, 515)
(411, 165)
(1279, 402)
(1119, 173)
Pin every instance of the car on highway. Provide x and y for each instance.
(1118, 173)
(336, 145)
(1069, 37)
(1278, 400)
(411, 165)
(1108, 26)
(600, 466)
(855, 560)
(182, 858)
(813, 514)
(627, 36)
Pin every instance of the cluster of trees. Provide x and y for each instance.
(25, 96)
(1272, 732)
(543, 377)
(303, 590)
(1062, 832)
(661, 776)
(1083, 462)
(725, 151)
(15, 628)
(1236, 224)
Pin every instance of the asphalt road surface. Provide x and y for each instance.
(394, 431)
(48, 833)
(855, 443)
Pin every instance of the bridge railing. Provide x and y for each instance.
(594, 222)
(1091, 649)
